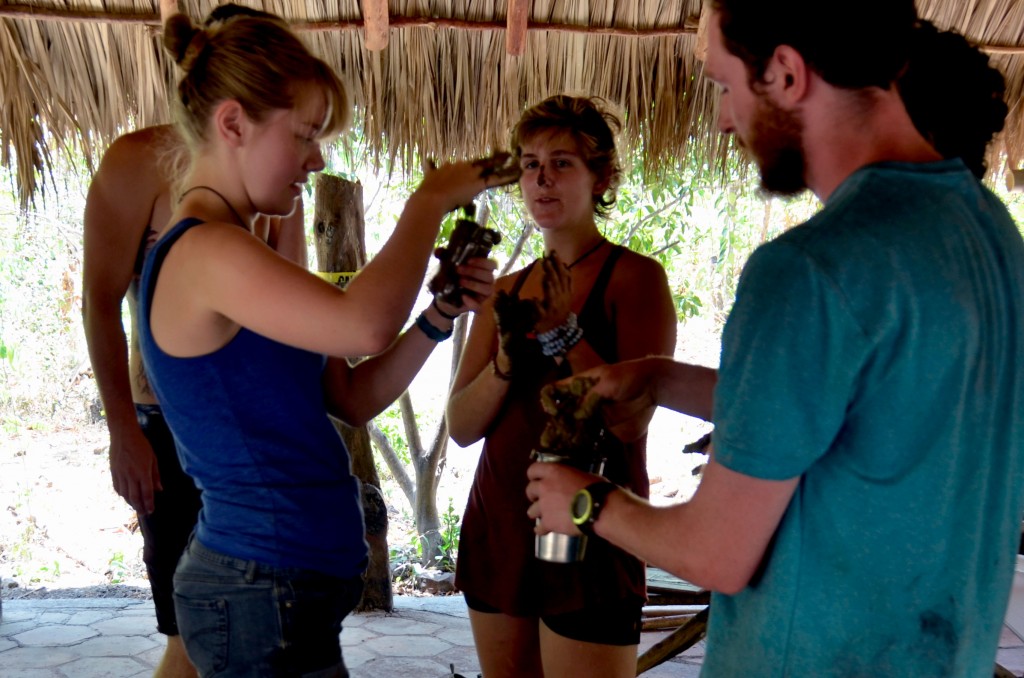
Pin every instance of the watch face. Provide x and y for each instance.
(581, 506)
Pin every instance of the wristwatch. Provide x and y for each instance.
(588, 502)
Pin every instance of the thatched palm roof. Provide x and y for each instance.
(80, 72)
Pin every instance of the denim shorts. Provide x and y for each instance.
(243, 618)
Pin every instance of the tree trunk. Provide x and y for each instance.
(341, 248)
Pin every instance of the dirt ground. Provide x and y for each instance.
(61, 524)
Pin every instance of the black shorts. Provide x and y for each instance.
(616, 623)
(165, 531)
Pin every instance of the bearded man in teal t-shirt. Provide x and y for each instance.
(860, 513)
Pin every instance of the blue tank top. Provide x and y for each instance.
(252, 429)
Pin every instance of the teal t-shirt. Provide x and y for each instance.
(877, 352)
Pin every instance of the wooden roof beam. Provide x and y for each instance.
(375, 24)
(21, 11)
(516, 26)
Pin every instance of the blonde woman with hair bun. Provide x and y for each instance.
(247, 352)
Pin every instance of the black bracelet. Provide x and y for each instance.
(428, 328)
(446, 316)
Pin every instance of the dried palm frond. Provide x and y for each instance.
(441, 91)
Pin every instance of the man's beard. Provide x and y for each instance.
(776, 145)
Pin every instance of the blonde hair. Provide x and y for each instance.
(254, 60)
(591, 124)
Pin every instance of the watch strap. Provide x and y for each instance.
(598, 493)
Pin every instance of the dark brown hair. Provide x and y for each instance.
(953, 94)
(592, 126)
(852, 45)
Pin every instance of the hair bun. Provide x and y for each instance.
(184, 40)
(195, 47)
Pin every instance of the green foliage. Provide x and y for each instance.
(390, 424)
(117, 570)
(42, 345)
(450, 529)
(451, 522)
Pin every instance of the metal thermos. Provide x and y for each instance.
(562, 548)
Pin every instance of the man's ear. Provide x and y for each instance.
(229, 119)
(788, 71)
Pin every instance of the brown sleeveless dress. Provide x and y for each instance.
(496, 564)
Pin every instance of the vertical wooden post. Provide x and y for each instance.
(168, 8)
(515, 26)
(339, 232)
(700, 50)
(375, 24)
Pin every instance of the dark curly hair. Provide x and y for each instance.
(953, 94)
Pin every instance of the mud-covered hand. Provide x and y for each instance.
(626, 393)
(556, 303)
(499, 169)
(456, 184)
(515, 319)
(476, 282)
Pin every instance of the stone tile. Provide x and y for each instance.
(355, 620)
(86, 617)
(31, 673)
(115, 646)
(1012, 660)
(102, 667)
(398, 667)
(450, 605)
(462, 637)
(126, 626)
(14, 613)
(52, 618)
(9, 630)
(55, 636)
(673, 670)
(139, 611)
(406, 646)
(152, 657)
(41, 604)
(357, 636)
(463, 658)
(36, 657)
(400, 626)
(357, 656)
(697, 651)
(1009, 639)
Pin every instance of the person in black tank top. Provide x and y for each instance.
(598, 303)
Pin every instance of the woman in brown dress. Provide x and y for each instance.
(530, 617)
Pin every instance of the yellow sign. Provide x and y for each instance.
(339, 279)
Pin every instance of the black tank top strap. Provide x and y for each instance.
(598, 328)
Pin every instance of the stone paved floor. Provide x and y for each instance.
(115, 638)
